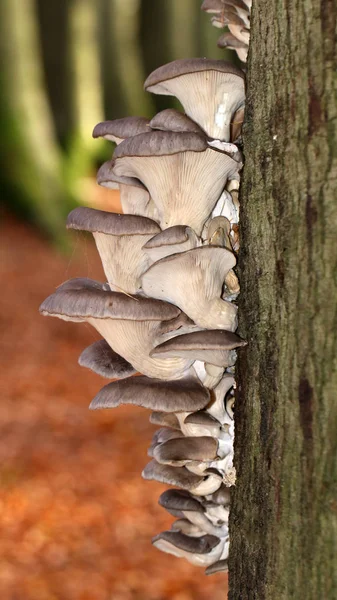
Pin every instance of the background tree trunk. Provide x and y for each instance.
(283, 519)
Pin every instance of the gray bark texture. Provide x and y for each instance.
(283, 523)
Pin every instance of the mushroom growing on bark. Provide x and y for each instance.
(168, 310)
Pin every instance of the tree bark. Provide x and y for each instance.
(283, 522)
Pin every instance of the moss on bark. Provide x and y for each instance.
(283, 522)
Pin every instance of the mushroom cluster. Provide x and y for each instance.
(167, 314)
(235, 15)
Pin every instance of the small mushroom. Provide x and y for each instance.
(217, 407)
(184, 176)
(156, 394)
(186, 527)
(171, 119)
(201, 423)
(178, 238)
(119, 240)
(192, 510)
(193, 280)
(211, 91)
(101, 359)
(161, 436)
(129, 324)
(119, 129)
(213, 346)
(199, 485)
(180, 451)
(200, 551)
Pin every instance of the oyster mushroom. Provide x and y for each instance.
(201, 423)
(129, 324)
(135, 199)
(166, 396)
(164, 419)
(200, 551)
(180, 451)
(186, 527)
(213, 346)
(101, 359)
(170, 241)
(218, 567)
(193, 280)
(217, 407)
(199, 485)
(211, 91)
(192, 509)
(119, 129)
(184, 176)
(119, 240)
(173, 120)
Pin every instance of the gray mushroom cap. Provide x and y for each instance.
(180, 500)
(212, 346)
(178, 238)
(217, 567)
(185, 394)
(115, 224)
(199, 485)
(211, 91)
(81, 298)
(194, 545)
(160, 143)
(101, 359)
(119, 129)
(180, 451)
(107, 178)
(161, 436)
(201, 423)
(165, 419)
(173, 120)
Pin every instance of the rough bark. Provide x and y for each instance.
(284, 515)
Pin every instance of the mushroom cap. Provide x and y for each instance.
(194, 545)
(217, 408)
(221, 496)
(228, 40)
(213, 6)
(201, 423)
(210, 91)
(161, 436)
(211, 345)
(185, 66)
(217, 567)
(180, 451)
(101, 359)
(179, 476)
(165, 419)
(170, 241)
(185, 394)
(193, 280)
(100, 221)
(180, 500)
(160, 143)
(119, 129)
(81, 298)
(185, 526)
(107, 178)
(171, 119)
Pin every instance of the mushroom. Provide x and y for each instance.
(173, 120)
(119, 240)
(185, 526)
(101, 359)
(213, 346)
(166, 396)
(119, 129)
(192, 509)
(161, 436)
(228, 40)
(221, 497)
(217, 567)
(193, 280)
(170, 241)
(201, 423)
(135, 199)
(180, 451)
(200, 551)
(211, 91)
(164, 419)
(199, 485)
(129, 324)
(184, 176)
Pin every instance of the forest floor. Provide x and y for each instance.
(76, 518)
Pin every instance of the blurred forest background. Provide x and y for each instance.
(76, 518)
(68, 64)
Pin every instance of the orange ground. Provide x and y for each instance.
(76, 517)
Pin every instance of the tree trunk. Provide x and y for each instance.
(283, 518)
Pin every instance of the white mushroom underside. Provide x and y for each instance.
(185, 186)
(123, 260)
(210, 98)
(134, 340)
(136, 201)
